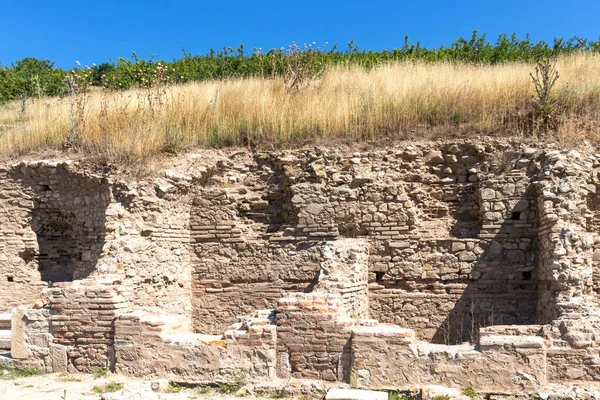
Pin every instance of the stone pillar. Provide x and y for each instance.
(345, 271)
(565, 247)
(18, 340)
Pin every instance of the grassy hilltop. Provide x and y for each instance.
(130, 110)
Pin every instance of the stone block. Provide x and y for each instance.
(60, 359)
(353, 394)
(18, 345)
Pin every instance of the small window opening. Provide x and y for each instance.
(379, 276)
(516, 216)
(10, 278)
(527, 275)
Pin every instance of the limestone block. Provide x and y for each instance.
(353, 394)
(18, 346)
(433, 392)
(59, 358)
(488, 194)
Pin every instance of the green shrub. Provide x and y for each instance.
(21, 373)
(471, 392)
(204, 390)
(396, 395)
(101, 372)
(109, 387)
(229, 387)
(174, 388)
(296, 64)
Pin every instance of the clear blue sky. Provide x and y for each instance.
(95, 31)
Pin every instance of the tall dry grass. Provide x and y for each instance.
(405, 99)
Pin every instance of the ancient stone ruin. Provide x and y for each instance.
(456, 264)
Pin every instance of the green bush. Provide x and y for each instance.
(296, 64)
(109, 387)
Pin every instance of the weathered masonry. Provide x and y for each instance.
(461, 264)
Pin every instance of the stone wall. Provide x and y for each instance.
(444, 234)
(313, 337)
(53, 227)
(501, 363)
(81, 320)
(359, 253)
(154, 346)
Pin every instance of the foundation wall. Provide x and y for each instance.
(502, 363)
(363, 255)
(150, 346)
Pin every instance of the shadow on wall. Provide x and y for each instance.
(503, 289)
(68, 217)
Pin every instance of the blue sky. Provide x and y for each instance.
(95, 31)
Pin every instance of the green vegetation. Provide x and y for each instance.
(33, 78)
(396, 395)
(204, 390)
(174, 388)
(64, 377)
(24, 372)
(101, 373)
(353, 381)
(229, 387)
(278, 394)
(471, 393)
(109, 387)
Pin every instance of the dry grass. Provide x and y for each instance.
(399, 100)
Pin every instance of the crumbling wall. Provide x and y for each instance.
(53, 220)
(502, 363)
(148, 239)
(451, 246)
(313, 337)
(362, 254)
(81, 322)
(154, 346)
(20, 280)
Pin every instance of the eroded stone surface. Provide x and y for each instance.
(375, 266)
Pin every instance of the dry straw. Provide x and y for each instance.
(402, 99)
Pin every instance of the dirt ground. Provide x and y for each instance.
(84, 387)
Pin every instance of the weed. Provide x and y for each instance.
(204, 390)
(305, 397)
(278, 394)
(229, 387)
(396, 395)
(471, 392)
(27, 371)
(29, 386)
(174, 388)
(545, 104)
(101, 372)
(442, 397)
(109, 387)
(21, 373)
(64, 377)
(353, 381)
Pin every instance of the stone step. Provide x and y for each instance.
(5, 321)
(4, 339)
(353, 394)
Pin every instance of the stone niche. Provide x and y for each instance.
(451, 237)
(53, 227)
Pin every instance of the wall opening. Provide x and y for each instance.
(68, 218)
(58, 249)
